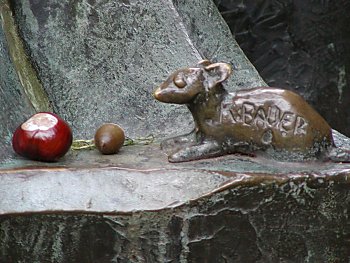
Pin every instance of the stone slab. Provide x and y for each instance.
(137, 207)
(139, 178)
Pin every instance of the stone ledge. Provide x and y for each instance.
(137, 207)
(140, 178)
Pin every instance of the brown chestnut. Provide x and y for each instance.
(109, 138)
(43, 137)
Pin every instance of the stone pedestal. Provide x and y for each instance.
(99, 61)
(136, 207)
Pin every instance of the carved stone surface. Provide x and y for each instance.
(299, 45)
(137, 207)
(99, 60)
(248, 230)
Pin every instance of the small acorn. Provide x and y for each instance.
(109, 138)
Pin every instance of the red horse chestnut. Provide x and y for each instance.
(43, 137)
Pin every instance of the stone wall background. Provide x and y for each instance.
(99, 61)
(14, 104)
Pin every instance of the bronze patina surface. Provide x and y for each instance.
(263, 119)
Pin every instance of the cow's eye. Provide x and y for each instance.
(179, 81)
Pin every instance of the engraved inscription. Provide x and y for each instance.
(248, 114)
(286, 123)
(300, 126)
(273, 114)
(260, 119)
